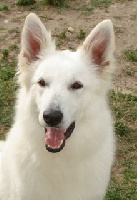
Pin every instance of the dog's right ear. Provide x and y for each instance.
(35, 40)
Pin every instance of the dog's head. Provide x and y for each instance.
(63, 84)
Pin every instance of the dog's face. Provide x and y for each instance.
(60, 82)
(60, 85)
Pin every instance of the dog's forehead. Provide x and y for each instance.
(64, 63)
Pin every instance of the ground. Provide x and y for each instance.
(82, 16)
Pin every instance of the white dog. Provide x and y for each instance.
(61, 145)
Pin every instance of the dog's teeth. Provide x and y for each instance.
(61, 142)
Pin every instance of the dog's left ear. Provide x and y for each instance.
(99, 45)
(35, 39)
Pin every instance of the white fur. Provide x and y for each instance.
(81, 171)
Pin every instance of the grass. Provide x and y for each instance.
(133, 17)
(123, 184)
(62, 35)
(81, 35)
(101, 3)
(58, 3)
(129, 71)
(124, 107)
(5, 54)
(13, 30)
(4, 8)
(7, 90)
(13, 47)
(119, 30)
(7, 87)
(60, 38)
(24, 2)
(131, 55)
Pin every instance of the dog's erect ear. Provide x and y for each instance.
(99, 45)
(35, 39)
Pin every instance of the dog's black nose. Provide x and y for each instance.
(52, 118)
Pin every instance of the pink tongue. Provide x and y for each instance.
(54, 137)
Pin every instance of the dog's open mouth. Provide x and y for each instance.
(55, 137)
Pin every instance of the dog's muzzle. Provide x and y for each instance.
(55, 138)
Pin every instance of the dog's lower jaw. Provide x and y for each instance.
(55, 150)
(55, 140)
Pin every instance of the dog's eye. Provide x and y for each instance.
(42, 83)
(77, 85)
